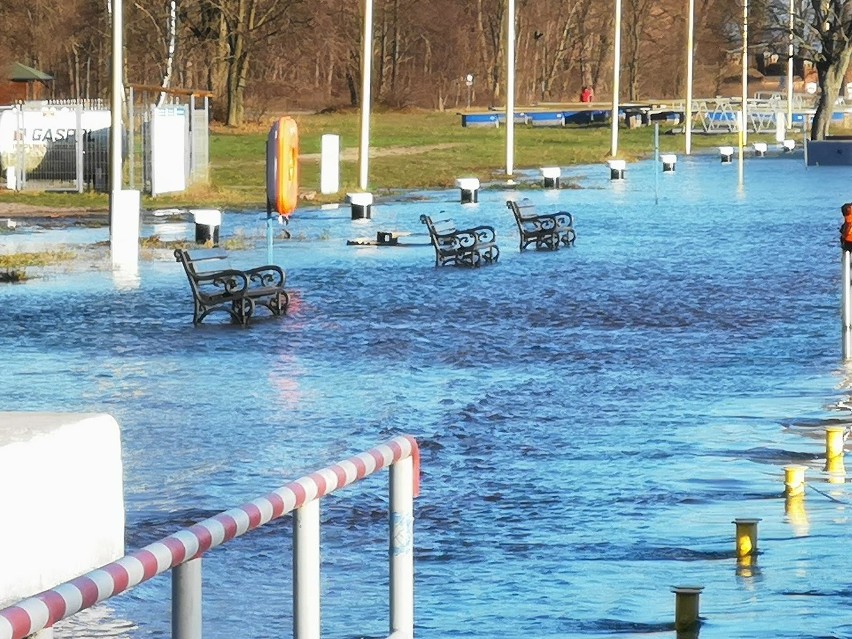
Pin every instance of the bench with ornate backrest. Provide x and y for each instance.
(461, 247)
(545, 230)
(238, 292)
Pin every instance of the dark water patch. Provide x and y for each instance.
(616, 626)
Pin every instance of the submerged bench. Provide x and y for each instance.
(461, 247)
(545, 230)
(234, 291)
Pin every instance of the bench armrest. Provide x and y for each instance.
(269, 275)
(483, 234)
(232, 282)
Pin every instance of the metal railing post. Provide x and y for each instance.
(186, 600)
(846, 302)
(306, 571)
(401, 549)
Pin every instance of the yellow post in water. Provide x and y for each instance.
(794, 479)
(834, 437)
(686, 606)
(746, 537)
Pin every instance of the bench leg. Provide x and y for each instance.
(242, 310)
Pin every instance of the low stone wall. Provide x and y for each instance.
(61, 499)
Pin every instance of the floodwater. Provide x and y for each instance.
(591, 420)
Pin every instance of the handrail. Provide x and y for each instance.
(183, 551)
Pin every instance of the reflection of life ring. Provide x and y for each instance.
(282, 166)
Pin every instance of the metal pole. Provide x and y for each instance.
(690, 29)
(790, 71)
(745, 72)
(366, 71)
(656, 162)
(401, 547)
(616, 70)
(846, 303)
(131, 137)
(510, 87)
(186, 600)
(117, 89)
(78, 148)
(269, 233)
(306, 571)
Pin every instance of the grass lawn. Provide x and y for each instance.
(413, 150)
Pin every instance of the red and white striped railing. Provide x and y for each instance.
(183, 551)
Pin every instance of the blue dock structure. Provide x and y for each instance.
(713, 115)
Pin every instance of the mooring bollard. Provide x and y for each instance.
(551, 175)
(726, 154)
(362, 205)
(835, 437)
(787, 146)
(746, 537)
(616, 169)
(759, 149)
(469, 188)
(686, 606)
(794, 479)
(669, 161)
(207, 223)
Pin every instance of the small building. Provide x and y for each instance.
(21, 82)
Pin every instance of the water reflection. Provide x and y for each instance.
(796, 515)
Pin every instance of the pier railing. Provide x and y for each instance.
(182, 553)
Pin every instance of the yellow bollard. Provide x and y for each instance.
(834, 437)
(794, 480)
(746, 537)
(686, 606)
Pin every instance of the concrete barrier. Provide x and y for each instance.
(62, 499)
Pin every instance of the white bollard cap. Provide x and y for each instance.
(360, 199)
(668, 158)
(551, 171)
(208, 217)
(617, 165)
(726, 150)
(468, 184)
(789, 144)
(760, 147)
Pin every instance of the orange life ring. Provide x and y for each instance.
(282, 166)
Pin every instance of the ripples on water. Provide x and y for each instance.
(591, 420)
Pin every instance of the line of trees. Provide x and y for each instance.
(261, 56)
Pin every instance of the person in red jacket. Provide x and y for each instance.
(846, 227)
(586, 95)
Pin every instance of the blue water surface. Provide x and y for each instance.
(591, 420)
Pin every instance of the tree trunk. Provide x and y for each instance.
(831, 74)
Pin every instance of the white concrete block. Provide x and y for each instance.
(124, 229)
(330, 164)
(61, 499)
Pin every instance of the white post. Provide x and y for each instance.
(741, 137)
(690, 29)
(366, 71)
(306, 571)
(616, 70)
(846, 302)
(401, 548)
(123, 205)
(745, 71)
(510, 87)
(790, 71)
(330, 164)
